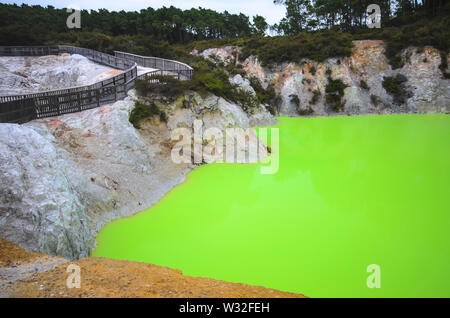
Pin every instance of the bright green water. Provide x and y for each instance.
(350, 192)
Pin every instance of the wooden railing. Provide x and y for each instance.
(167, 67)
(26, 107)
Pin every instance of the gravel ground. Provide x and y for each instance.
(25, 274)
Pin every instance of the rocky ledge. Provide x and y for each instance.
(64, 178)
(34, 275)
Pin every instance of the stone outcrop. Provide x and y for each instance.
(24, 75)
(64, 178)
(39, 206)
(428, 91)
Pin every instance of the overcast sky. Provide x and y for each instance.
(273, 13)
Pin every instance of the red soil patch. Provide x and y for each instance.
(11, 254)
(102, 277)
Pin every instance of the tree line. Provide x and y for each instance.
(351, 15)
(165, 24)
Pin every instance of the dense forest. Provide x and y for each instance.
(350, 15)
(183, 26)
(315, 29)
(168, 24)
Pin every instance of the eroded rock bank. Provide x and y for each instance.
(65, 177)
(302, 85)
(34, 275)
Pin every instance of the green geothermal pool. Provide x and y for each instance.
(350, 192)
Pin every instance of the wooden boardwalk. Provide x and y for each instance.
(26, 107)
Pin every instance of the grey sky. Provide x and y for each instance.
(273, 13)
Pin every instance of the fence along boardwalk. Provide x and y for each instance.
(26, 107)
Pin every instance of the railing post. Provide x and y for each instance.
(79, 101)
(57, 101)
(49, 104)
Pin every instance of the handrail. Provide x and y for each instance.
(169, 67)
(26, 107)
(102, 58)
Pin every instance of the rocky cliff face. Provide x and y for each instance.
(65, 177)
(426, 91)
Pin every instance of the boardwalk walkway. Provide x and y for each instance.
(26, 107)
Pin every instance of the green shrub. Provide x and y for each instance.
(265, 96)
(374, 99)
(316, 96)
(295, 100)
(208, 78)
(334, 93)
(444, 65)
(395, 87)
(248, 101)
(167, 86)
(317, 46)
(235, 69)
(364, 85)
(305, 112)
(274, 106)
(142, 111)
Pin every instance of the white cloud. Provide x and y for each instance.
(273, 13)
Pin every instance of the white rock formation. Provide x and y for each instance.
(430, 92)
(65, 177)
(22, 75)
(39, 204)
